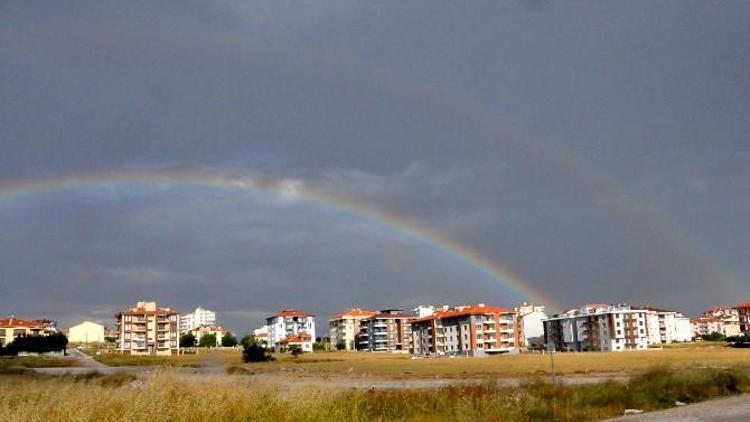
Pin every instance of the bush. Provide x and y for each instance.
(341, 345)
(254, 351)
(36, 344)
(207, 340)
(295, 350)
(712, 337)
(187, 340)
(228, 340)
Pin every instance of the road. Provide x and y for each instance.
(720, 410)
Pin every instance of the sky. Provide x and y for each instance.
(396, 154)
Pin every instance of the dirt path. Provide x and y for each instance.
(85, 360)
(720, 410)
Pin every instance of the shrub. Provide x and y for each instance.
(207, 340)
(187, 339)
(228, 340)
(254, 351)
(295, 350)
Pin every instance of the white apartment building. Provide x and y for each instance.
(530, 324)
(665, 326)
(472, 330)
(730, 321)
(288, 323)
(344, 327)
(199, 318)
(598, 328)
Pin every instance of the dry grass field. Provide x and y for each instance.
(658, 379)
(166, 396)
(401, 365)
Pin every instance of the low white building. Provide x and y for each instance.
(199, 318)
(86, 332)
(530, 324)
(598, 327)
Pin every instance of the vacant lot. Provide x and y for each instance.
(401, 365)
(166, 397)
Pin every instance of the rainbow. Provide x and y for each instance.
(288, 189)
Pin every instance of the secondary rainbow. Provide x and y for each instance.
(284, 188)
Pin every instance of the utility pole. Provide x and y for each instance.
(551, 350)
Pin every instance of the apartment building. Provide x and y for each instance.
(530, 325)
(665, 326)
(743, 313)
(598, 327)
(288, 323)
(13, 327)
(344, 327)
(720, 319)
(147, 329)
(387, 331)
(198, 318)
(472, 330)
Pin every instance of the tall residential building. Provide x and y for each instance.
(473, 330)
(387, 331)
(288, 323)
(598, 328)
(344, 327)
(743, 313)
(148, 329)
(198, 318)
(530, 325)
(664, 326)
(12, 327)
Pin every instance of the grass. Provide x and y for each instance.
(7, 363)
(166, 397)
(402, 366)
(399, 366)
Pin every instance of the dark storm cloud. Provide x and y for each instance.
(597, 149)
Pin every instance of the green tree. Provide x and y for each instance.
(254, 351)
(187, 339)
(228, 340)
(295, 350)
(341, 345)
(207, 340)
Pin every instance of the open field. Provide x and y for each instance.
(166, 397)
(403, 366)
(35, 362)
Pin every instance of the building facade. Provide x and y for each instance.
(743, 314)
(723, 320)
(12, 327)
(473, 330)
(288, 323)
(387, 331)
(147, 329)
(598, 328)
(664, 326)
(86, 332)
(198, 318)
(530, 325)
(344, 327)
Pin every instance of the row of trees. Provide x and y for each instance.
(35, 344)
(206, 340)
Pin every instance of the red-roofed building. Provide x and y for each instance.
(288, 322)
(303, 340)
(344, 327)
(387, 331)
(147, 329)
(472, 330)
(12, 327)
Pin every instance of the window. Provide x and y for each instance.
(619, 332)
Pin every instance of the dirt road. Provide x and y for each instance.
(720, 410)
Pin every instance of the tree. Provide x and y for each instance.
(228, 340)
(187, 340)
(37, 344)
(295, 350)
(254, 351)
(207, 340)
(713, 337)
(341, 345)
(319, 346)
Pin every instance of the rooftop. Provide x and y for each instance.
(354, 313)
(467, 310)
(11, 322)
